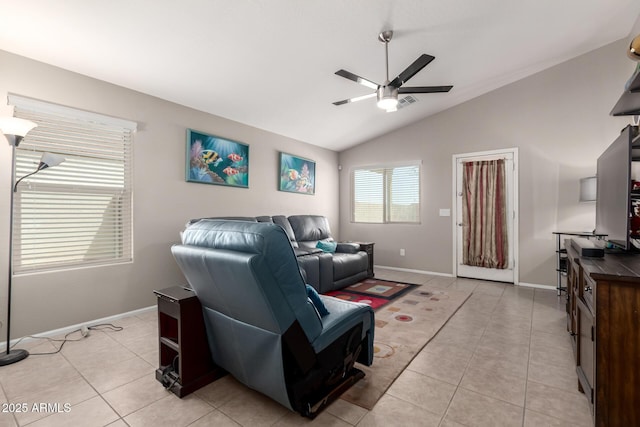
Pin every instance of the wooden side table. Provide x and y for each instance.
(185, 359)
(368, 248)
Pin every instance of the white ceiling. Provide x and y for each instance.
(271, 63)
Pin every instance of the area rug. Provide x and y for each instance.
(374, 292)
(403, 328)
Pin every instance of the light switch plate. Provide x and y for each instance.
(445, 212)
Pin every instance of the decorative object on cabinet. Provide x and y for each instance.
(586, 247)
(215, 160)
(297, 174)
(561, 254)
(606, 337)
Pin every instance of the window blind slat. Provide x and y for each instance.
(78, 213)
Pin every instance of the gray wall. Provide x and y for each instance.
(163, 201)
(558, 118)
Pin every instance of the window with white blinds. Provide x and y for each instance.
(78, 213)
(386, 194)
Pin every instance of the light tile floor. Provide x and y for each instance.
(504, 359)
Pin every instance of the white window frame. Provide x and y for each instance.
(47, 235)
(387, 190)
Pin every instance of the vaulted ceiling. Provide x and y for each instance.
(271, 63)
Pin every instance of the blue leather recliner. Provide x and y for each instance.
(261, 326)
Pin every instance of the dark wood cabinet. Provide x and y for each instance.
(185, 359)
(574, 278)
(607, 327)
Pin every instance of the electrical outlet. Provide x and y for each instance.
(84, 330)
(401, 252)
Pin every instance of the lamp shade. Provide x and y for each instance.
(16, 126)
(588, 189)
(49, 160)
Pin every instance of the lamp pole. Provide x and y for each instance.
(14, 129)
(11, 356)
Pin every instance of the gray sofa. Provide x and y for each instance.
(324, 271)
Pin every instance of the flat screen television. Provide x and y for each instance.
(613, 191)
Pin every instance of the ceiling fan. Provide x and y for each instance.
(387, 93)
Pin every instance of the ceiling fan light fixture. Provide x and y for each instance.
(388, 104)
(387, 98)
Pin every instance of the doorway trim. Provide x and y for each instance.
(454, 224)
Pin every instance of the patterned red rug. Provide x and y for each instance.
(375, 292)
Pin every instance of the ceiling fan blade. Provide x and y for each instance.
(424, 89)
(422, 61)
(357, 98)
(347, 75)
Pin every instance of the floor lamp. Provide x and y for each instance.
(14, 129)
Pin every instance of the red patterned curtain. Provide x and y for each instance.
(484, 214)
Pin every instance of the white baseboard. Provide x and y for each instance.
(76, 327)
(434, 273)
(535, 285)
(409, 270)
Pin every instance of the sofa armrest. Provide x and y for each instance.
(348, 248)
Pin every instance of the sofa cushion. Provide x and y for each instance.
(283, 222)
(345, 265)
(310, 228)
(326, 246)
(313, 296)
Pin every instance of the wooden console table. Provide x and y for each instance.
(604, 324)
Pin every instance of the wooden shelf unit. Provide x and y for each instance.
(184, 348)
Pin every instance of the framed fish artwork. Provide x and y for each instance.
(215, 160)
(297, 174)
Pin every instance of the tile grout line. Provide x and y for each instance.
(467, 365)
(526, 378)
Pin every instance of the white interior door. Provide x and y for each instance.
(510, 274)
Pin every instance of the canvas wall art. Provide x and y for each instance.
(215, 160)
(297, 174)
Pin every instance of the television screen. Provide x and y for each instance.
(613, 191)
